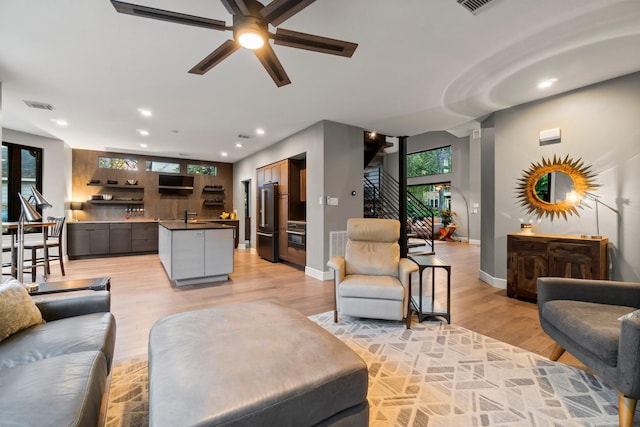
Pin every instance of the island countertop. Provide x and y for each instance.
(191, 225)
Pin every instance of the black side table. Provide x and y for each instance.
(97, 284)
(432, 262)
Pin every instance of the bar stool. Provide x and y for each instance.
(54, 239)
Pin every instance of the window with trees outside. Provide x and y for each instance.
(435, 196)
(429, 162)
(21, 168)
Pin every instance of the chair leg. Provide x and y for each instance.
(626, 410)
(34, 253)
(556, 353)
(61, 259)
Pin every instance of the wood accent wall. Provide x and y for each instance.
(156, 205)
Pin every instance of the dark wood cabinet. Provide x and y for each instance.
(119, 238)
(87, 239)
(90, 239)
(544, 255)
(144, 237)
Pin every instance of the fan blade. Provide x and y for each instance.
(236, 7)
(270, 62)
(166, 15)
(215, 57)
(278, 11)
(312, 42)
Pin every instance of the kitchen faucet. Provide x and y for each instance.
(188, 214)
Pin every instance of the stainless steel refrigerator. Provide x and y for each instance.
(268, 222)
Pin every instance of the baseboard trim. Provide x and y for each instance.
(474, 242)
(496, 282)
(317, 274)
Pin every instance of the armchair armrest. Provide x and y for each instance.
(337, 263)
(405, 268)
(596, 291)
(76, 304)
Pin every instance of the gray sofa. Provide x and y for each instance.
(55, 373)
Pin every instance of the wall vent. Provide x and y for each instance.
(39, 105)
(473, 5)
(337, 243)
(243, 136)
(476, 134)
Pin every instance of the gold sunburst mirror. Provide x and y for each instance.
(542, 188)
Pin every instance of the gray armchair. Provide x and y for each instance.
(582, 317)
(371, 280)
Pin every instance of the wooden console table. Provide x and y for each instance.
(547, 255)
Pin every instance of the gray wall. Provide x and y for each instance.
(334, 154)
(600, 124)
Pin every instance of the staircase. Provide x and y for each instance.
(381, 200)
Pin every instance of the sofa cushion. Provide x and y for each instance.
(90, 332)
(65, 390)
(17, 309)
(589, 325)
(371, 287)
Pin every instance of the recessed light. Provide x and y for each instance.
(60, 122)
(224, 154)
(260, 131)
(143, 145)
(546, 83)
(143, 132)
(145, 112)
(238, 145)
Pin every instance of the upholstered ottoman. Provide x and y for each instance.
(252, 364)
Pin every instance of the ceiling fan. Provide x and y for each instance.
(251, 20)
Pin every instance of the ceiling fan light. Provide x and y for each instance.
(250, 40)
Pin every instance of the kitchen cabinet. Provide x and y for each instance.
(303, 185)
(119, 238)
(270, 173)
(543, 255)
(96, 239)
(87, 239)
(283, 220)
(144, 237)
(194, 253)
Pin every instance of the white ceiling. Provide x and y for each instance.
(421, 65)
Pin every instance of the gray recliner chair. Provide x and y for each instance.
(371, 280)
(582, 317)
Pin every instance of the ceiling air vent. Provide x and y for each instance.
(39, 105)
(473, 5)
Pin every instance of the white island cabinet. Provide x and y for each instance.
(194, 253)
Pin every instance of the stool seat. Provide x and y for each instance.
(258, 363)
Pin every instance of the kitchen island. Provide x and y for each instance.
(196, 252)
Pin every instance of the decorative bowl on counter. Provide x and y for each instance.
(132, 181)
(107, 196)
(224, 215)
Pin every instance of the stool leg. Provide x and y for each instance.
(61, 259)
(34, 253)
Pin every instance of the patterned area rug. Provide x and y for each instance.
(433, 375)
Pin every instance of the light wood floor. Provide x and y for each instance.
(141, 295)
